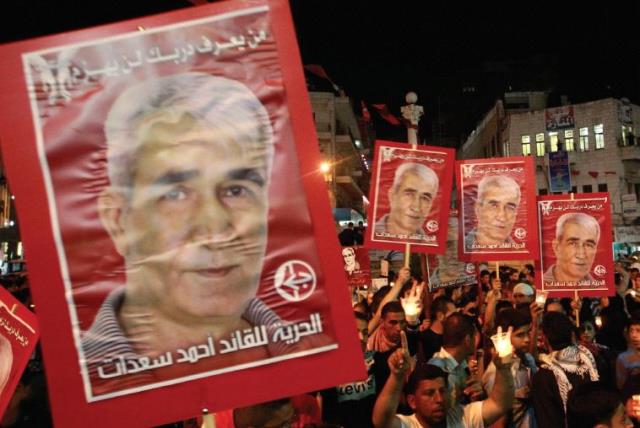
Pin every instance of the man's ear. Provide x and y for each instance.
(554, 245)
(411, 401)
(111, 207)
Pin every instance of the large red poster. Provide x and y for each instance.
(576, 245)
(19, 333)
(410, 197)
(497, 218)
(170, 225)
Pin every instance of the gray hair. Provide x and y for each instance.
(223, 105)
(581, 219)
(499, 181)
(422, 171)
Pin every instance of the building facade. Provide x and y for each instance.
(599, 138)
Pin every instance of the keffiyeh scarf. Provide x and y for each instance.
(573, 359)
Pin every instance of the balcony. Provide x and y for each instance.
(630, 153)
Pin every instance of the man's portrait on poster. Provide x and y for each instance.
(410, 199)
(496, 210)
(189, 159)
(351, 265)
(575, 245)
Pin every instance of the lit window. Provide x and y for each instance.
(506, 150)
(553, 141)
(568, 140)
(584, 139)
(627, 135)
(598, 130)
(526, 145)
(540, 144)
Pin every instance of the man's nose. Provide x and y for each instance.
(580, 252)
(212, 221)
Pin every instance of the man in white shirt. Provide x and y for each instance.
(428, 396)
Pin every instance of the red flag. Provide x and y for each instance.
(594, 174)
(317, 70)
(384, 112)
(609, 173)
(365, 112)
(575, 172)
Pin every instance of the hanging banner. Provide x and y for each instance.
(357, 266)
(447, 270)
(496, 209)
(410, 194)
(559, 118)
(177, 239)
(559, 175)
(19, 333)
(576, 245)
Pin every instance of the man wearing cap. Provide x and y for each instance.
(523, 293)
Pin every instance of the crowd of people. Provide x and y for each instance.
(432, 362)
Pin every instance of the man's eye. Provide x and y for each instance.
(177, 194)
(235, 192)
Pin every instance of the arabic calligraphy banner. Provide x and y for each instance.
(559, 118)
(497, 220)
(410, 197)
(161, 169)
(576, 245)
(19, 333)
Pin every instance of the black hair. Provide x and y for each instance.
(377, 298)
(360, 316)
(512, 318)
(456, 328)
(558, 329)
(635, 319)
(424, 372)
(591, 403)
(484, 272)
(439, 305)
(502, 304)
(393, 306)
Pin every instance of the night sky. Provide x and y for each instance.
(458, 56)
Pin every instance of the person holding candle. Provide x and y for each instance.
(521, 414)
(429, 398)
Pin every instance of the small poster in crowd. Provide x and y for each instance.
(447, 270)
(410, 197)
(576, 245)
(19, 333)
(497, 218)
(357, 266)
(175, 233)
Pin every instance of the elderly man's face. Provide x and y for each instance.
(195, 224)
(496, 214)
(410, 204)
(349, 256)
(575, 251)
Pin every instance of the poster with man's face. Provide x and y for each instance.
(496, 201)
(447, 270)
(162, 170)
(576, 245)
(356, 266)
(410, 196)
(19, 331)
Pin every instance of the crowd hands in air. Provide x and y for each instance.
(490, 355)
(485, 355)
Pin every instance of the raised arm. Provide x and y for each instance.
(384, 411)
(403, 276)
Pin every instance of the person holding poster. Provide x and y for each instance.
(575, 246)
(496, 210)
(410, 198)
